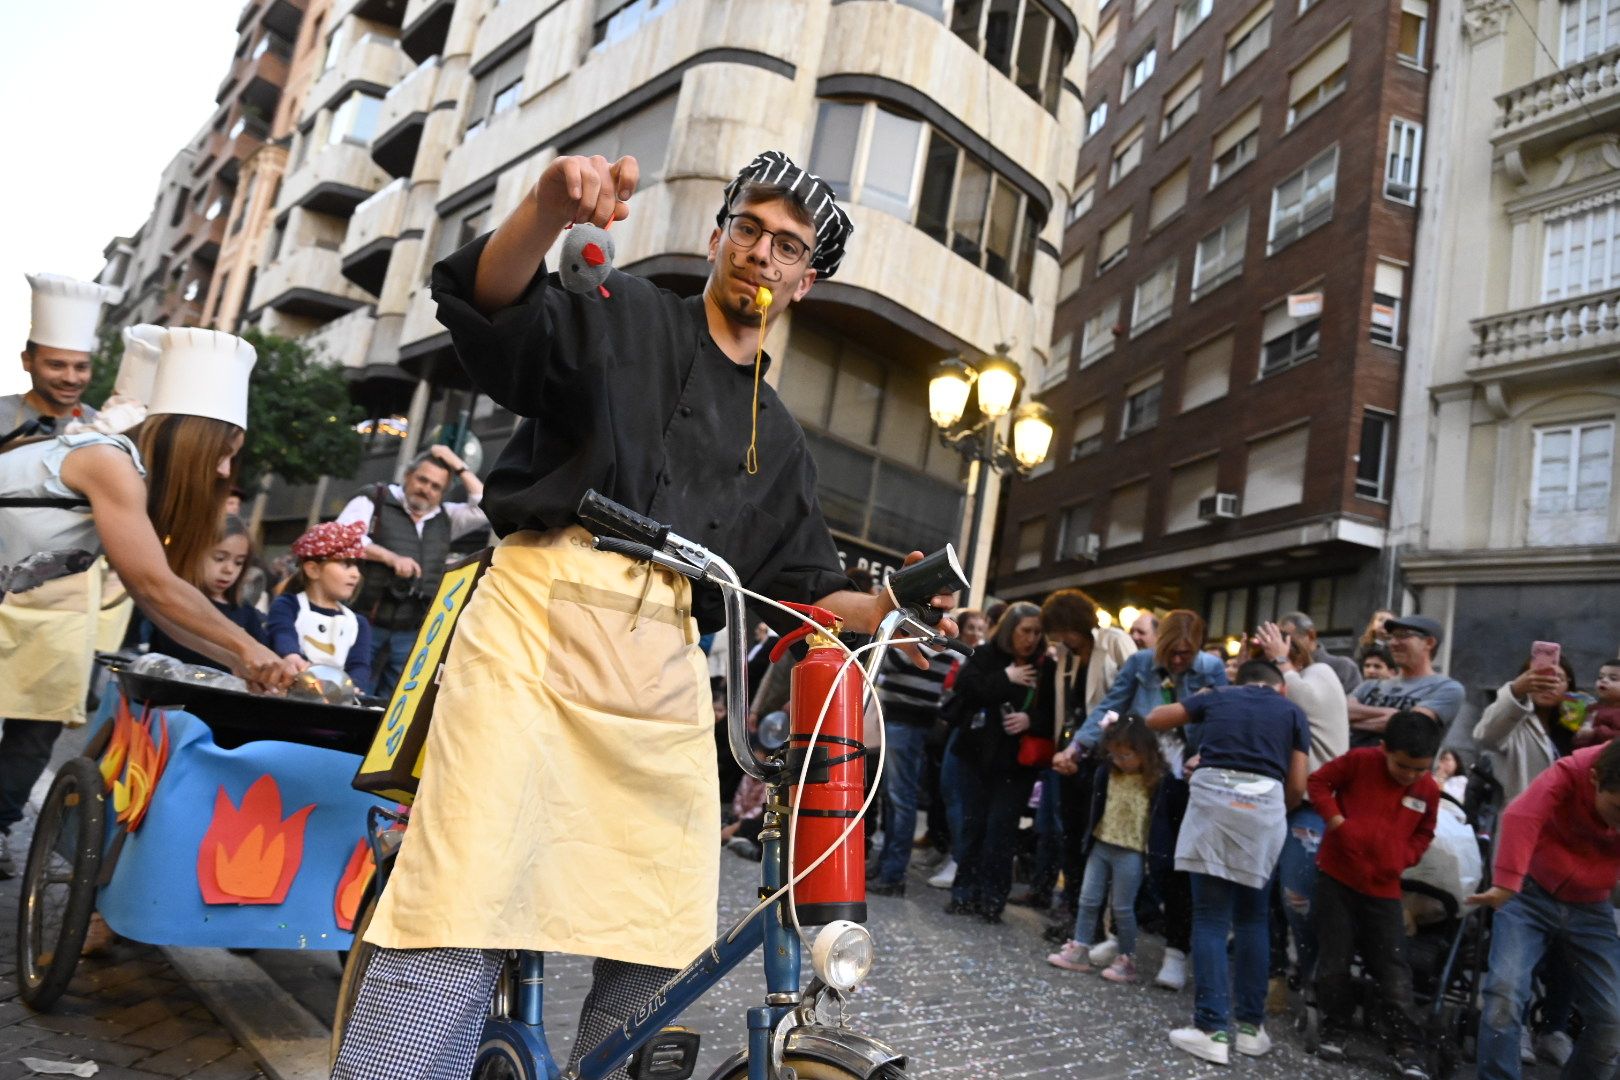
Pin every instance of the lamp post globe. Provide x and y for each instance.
(999, 382)
(1031, 434)
(948, 391)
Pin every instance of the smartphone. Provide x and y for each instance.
(1545, 655)
(1007, 709)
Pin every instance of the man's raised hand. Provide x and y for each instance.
(576, 190)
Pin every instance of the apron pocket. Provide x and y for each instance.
(598, 661)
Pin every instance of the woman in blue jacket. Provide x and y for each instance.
(1175, 670)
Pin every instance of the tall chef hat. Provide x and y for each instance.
(133, 388)
(202, 373)
(66, 311)
(833, 227)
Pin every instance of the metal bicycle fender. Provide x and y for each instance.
(860, 1054)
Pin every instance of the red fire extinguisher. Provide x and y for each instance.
(835, 786)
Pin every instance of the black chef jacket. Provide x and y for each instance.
(629, 394)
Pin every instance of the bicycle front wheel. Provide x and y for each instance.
(808, 1068)
(59, 883)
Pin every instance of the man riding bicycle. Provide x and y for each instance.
(568, 799)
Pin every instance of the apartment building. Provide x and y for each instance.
(188, 264)
(950, 129)
(1231, 318)
(1506, 515)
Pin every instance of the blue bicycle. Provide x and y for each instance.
(799, 1032)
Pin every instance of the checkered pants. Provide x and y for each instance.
(420, 1012)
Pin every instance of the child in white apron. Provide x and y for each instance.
(310, 618)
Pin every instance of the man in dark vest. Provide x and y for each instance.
(410, 529)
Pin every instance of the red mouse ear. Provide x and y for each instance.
(593, 255)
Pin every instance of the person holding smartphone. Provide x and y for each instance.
(1532, 722)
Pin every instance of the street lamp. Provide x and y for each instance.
(999, 382)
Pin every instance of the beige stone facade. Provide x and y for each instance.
(1505, 508)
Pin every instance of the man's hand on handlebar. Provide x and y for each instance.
(861, 612)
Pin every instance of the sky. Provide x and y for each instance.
(99, 96)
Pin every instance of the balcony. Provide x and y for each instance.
(1552, 110)
(310, 283)
(210, 235)
(256, 79)
(345, 341)
(404, 114)
(426, 26)
(374, 65)
(387, 12)
(1581, 334)
(242, 140)
(372, 233)
(334, 179)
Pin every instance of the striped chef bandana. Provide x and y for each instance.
(833, 227)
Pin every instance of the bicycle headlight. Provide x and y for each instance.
(842, 955)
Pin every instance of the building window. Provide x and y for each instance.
(643, 135)
(1190, 14)
(496, 91)
(1142, 405)
(337, 45)
(1107, 35)
(1286, 341)
(1096, 118)
(1031, 541)
(1569, 493)
(1114, 244)
(193, 290)
(506, 98)
(355, 121)
(244, 203)
(1081, 203)
(215, 208)
(618, 19)
(1413, 45)
(1088, 432)
(1582, 252)
(1372, 463)
(1384, 327)
(1247, 41)
(1180, 104)
(1304, 201)
(1127, 515)
(1188, 485)
(1276, 472)
(1321, 78)
(1235, 146)
(1169, 196)
(1220, 255)
(1057, 366)
(1590, 27)
(1097, 335)
(1138, 71)
(871, 154)
(1019, 38)
(1401, 168)
(1075, 539)
(1071, 275)
(1127, 156)
(1154, 296)
(1208, 374)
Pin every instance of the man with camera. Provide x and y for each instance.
(409, 532)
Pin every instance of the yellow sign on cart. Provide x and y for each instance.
(393, 766)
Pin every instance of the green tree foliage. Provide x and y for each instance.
(300, 419)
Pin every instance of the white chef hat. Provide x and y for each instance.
(133, 388)
(66, 311)
(202, 373)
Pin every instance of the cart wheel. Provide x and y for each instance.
(59, 883)
(355, 962)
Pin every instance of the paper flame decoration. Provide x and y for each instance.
(357, 874)
(134, 762)
(249, 855)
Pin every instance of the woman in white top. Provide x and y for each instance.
(1315, 688)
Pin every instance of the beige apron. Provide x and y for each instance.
(569, 798)
(48, 642)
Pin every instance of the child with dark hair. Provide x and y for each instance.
(1122, 807)
(1378, 805)
(1603, 716)
(221, 582)
(1557, 862)
(1377, 663)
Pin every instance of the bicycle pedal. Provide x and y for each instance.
(672, 1054)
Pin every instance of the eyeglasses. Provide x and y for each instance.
(1404, 634)
(786, 248)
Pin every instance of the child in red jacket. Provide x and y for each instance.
(1378, 805)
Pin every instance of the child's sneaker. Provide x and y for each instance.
(1173, 973)
(1330, 1044)
(1252, 1040)
(1213, 1046)
(1122, 970)
(1411, 1065)
(1103, 954)
(1072, 957)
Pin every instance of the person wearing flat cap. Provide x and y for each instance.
(659, 403)
(1416, 685)
(56, 356)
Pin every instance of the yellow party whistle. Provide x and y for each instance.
(762, 298)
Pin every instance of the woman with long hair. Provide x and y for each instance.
(1002, 691)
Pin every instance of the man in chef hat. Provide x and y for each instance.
(57, 353)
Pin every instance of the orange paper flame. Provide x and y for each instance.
(133, 763)
(250, 855)
(357, 874)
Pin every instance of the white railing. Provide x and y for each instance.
(1563, 329)
(1574, 89)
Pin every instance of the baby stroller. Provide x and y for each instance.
(1448, 942)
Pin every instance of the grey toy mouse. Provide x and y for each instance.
(587, 259)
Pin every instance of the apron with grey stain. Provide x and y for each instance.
(569, 799)
(1235, 826)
